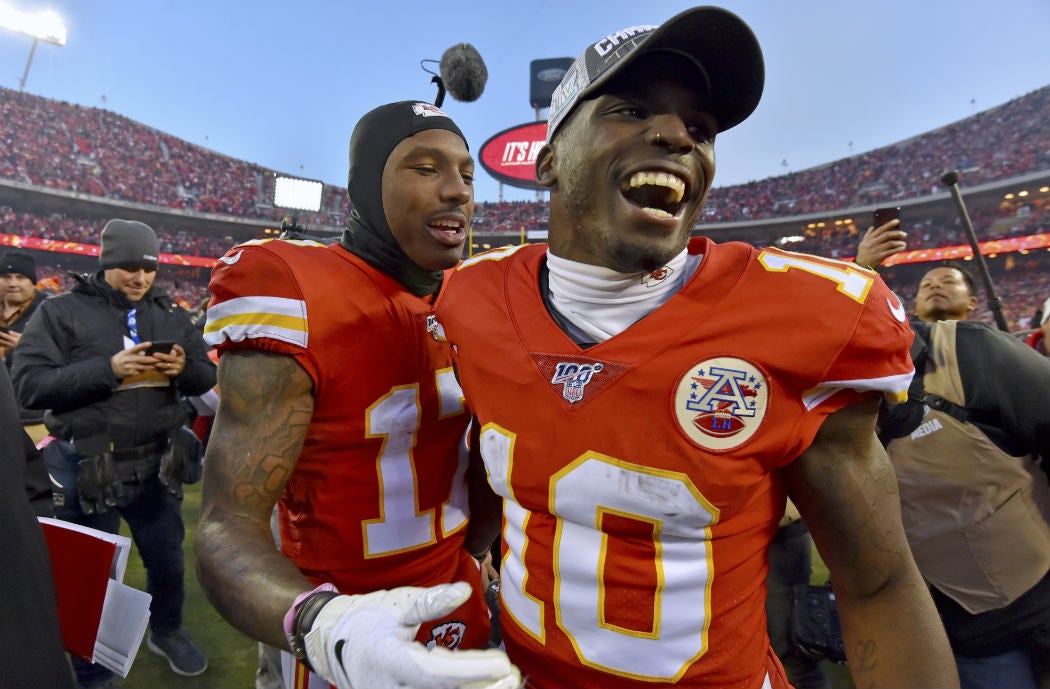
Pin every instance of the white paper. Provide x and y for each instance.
(125, 616)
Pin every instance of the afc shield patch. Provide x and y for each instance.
(721, 402)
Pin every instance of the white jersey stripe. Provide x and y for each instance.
(247, 318)
(893, 387)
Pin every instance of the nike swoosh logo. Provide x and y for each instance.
(230, 260)
(898, 310)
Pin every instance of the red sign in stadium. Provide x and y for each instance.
(64, 247)
(510, 156)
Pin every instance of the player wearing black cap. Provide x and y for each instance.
(646, 398)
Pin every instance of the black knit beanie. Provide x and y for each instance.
(18, 263)
(129, 242)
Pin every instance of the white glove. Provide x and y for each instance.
(368, 642)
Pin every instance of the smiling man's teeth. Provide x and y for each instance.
(658, 212)
(674, 184)
(449, 226)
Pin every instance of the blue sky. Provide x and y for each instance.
(281, 83)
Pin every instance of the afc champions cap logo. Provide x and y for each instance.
(721, 402)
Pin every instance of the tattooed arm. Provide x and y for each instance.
(846, 490)
(264, 410)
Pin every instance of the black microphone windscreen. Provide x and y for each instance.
(463, 72)
(950, 178)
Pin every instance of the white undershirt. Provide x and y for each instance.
(603, 302)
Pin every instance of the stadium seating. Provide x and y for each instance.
(50, 144)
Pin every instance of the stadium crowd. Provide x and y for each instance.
(1022, 282)
(65, 146)
(840, 241)
(94, 151)
(91, 150)
(999, 143)
(71, 229)
(54, 145)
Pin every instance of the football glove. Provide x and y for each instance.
(367, 641)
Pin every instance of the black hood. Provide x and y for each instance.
(368, 235)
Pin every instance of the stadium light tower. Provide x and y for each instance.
(44, 26)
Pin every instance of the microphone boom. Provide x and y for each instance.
(463, 72)
(951, 180)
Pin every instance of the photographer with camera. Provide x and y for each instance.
(109, 361)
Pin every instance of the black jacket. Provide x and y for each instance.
(62, 364)
(29, 416)
(1007, 388)
(31, 652)
(1005, 384)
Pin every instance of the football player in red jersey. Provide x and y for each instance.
(340, 405)
(646, 400)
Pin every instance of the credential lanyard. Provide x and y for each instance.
(133, 326)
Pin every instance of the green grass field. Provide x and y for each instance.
(232, 656)
(838, 674)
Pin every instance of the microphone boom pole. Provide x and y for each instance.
(441, 90)
(951, 180)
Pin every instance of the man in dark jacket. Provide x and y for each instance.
(19, 299)
(109, 361)
(31, 653)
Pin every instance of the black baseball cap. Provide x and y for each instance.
(724, 49)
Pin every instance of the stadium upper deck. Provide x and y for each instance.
(65, 169)
(51, 145)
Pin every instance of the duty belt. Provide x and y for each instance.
(136, 464)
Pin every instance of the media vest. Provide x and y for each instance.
(976, 517)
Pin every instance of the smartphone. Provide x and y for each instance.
(884, 215)
(161, 347)
(4, 329)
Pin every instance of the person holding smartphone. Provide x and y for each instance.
(19, 299)
(86, 358)
(883, 239)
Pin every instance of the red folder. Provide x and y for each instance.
(81, 565)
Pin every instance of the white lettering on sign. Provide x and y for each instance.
(521, 152)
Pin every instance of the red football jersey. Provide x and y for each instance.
(637, 473)
(378, 497)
